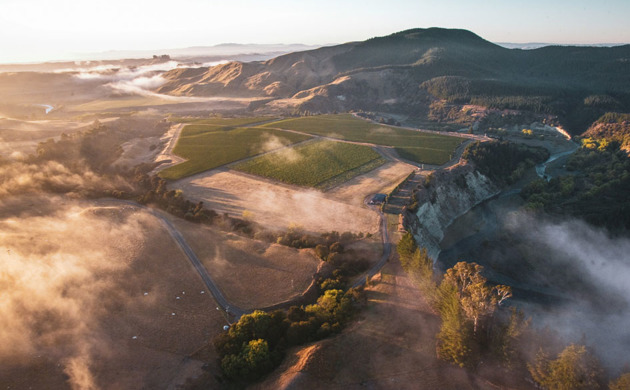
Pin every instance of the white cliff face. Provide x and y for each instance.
(451, 194)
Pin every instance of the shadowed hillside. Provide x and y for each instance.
(408, 71)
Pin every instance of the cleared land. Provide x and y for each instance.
(319, 164)
(277, 206)
(425, 148)
(380, 180)
(210, 146)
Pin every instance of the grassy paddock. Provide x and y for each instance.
(425, 155)
(321, 164)
(416, 146)
(210, 146)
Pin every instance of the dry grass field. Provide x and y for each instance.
(244, 269)
(276, 206)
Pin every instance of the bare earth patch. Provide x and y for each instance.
(380, 180)
(277, 206)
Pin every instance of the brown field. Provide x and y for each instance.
(89, 295)
(277, 206)
(380, 180)
(251, 274)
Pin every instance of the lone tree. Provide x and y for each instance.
(477, 298)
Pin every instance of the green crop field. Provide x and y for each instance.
(320, 164)
(207, 147)
(420, 147)
(235, 122)
(425, 155)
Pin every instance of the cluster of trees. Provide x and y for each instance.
(468, 306)
(576, 368)
(256, 344)
(345, 261)
(597, 190)
(98, 147)
(296, 237)
(504, 162)
(475, 326)
(172, 201)
(575, 109)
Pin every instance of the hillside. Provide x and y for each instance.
(407, 71)
(611, 127)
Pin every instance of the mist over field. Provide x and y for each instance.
(60, 267)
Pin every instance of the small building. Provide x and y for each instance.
(378, 199)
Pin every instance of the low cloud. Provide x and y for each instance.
(286, 154)
(139, 86)
(21, 177)
(597, 308)
(58, 270)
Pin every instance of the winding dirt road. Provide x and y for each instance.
(218, 296)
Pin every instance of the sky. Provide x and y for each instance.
(38, 30)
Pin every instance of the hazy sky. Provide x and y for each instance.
(34, 30)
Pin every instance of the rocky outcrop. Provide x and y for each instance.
(448, 194)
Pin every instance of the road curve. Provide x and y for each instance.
(223, 303)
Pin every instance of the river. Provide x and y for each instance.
(541, 168)
(490, 234)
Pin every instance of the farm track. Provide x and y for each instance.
(218, 296)
(167, 154)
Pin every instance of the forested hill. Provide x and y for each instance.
(407, 71)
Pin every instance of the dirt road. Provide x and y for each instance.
(218, 296)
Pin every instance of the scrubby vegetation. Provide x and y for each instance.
(575, 108)
(504, 162)
(210, 146)
(473, 325)
(256, 344)
(597, 190)
(413, 145)
(317, 164)
(575, 368)
(475, 328)
(612, 127)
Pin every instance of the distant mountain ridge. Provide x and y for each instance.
(408, 70)
(538, 45)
